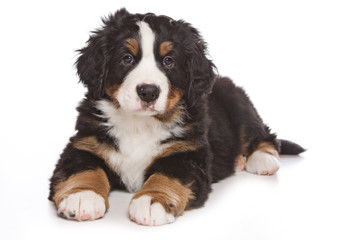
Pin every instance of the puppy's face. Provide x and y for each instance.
(142, 75)
(145, 64)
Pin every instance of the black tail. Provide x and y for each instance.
(290, 148)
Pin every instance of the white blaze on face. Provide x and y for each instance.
(146, 72)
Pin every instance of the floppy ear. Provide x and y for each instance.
(92, 64)
(201, 70)
(93, 60)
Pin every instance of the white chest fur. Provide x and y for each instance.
(138, 138)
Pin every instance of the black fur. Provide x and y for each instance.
(222, 116)
(290, 148)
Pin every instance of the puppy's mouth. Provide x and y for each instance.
(145, 106)
(148, 96)
(147, 100)
(148, 108)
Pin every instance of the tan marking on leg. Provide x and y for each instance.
(94, 180)
(173, 148)
(169, 192)
(178, 147)
(240, 162)
(133, 45)
(92, 145)
(267, 147)
(166, 47)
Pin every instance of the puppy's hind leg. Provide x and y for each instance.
(264, 160)
(240, 163)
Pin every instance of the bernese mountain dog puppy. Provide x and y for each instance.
(156, 121)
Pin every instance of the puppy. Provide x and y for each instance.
(156, 121)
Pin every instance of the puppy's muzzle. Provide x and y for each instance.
(148, 93)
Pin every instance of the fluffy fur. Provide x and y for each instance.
(158, 121)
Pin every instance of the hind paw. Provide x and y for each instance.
(262, 163)
(240, 163)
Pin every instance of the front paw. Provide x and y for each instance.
(82, 206)
(145, 212)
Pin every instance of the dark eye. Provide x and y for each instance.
(168, 62)
(128, 59)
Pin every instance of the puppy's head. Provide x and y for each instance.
(145, 64)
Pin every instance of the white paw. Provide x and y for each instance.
(143, 212)
(262, 163)
(82, 206)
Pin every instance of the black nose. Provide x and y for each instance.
(148, 92)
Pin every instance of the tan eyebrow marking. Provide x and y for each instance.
(133, 45)
(166, 47)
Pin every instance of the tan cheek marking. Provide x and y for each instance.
(174, 96)
(165, 48)
(112, 92)
(174, 115)
(169, 192)
(173, 110)
(133, 45)
(94, 180)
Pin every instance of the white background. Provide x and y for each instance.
(298, 60)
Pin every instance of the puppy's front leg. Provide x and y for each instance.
(83, 196)
(160, 201)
